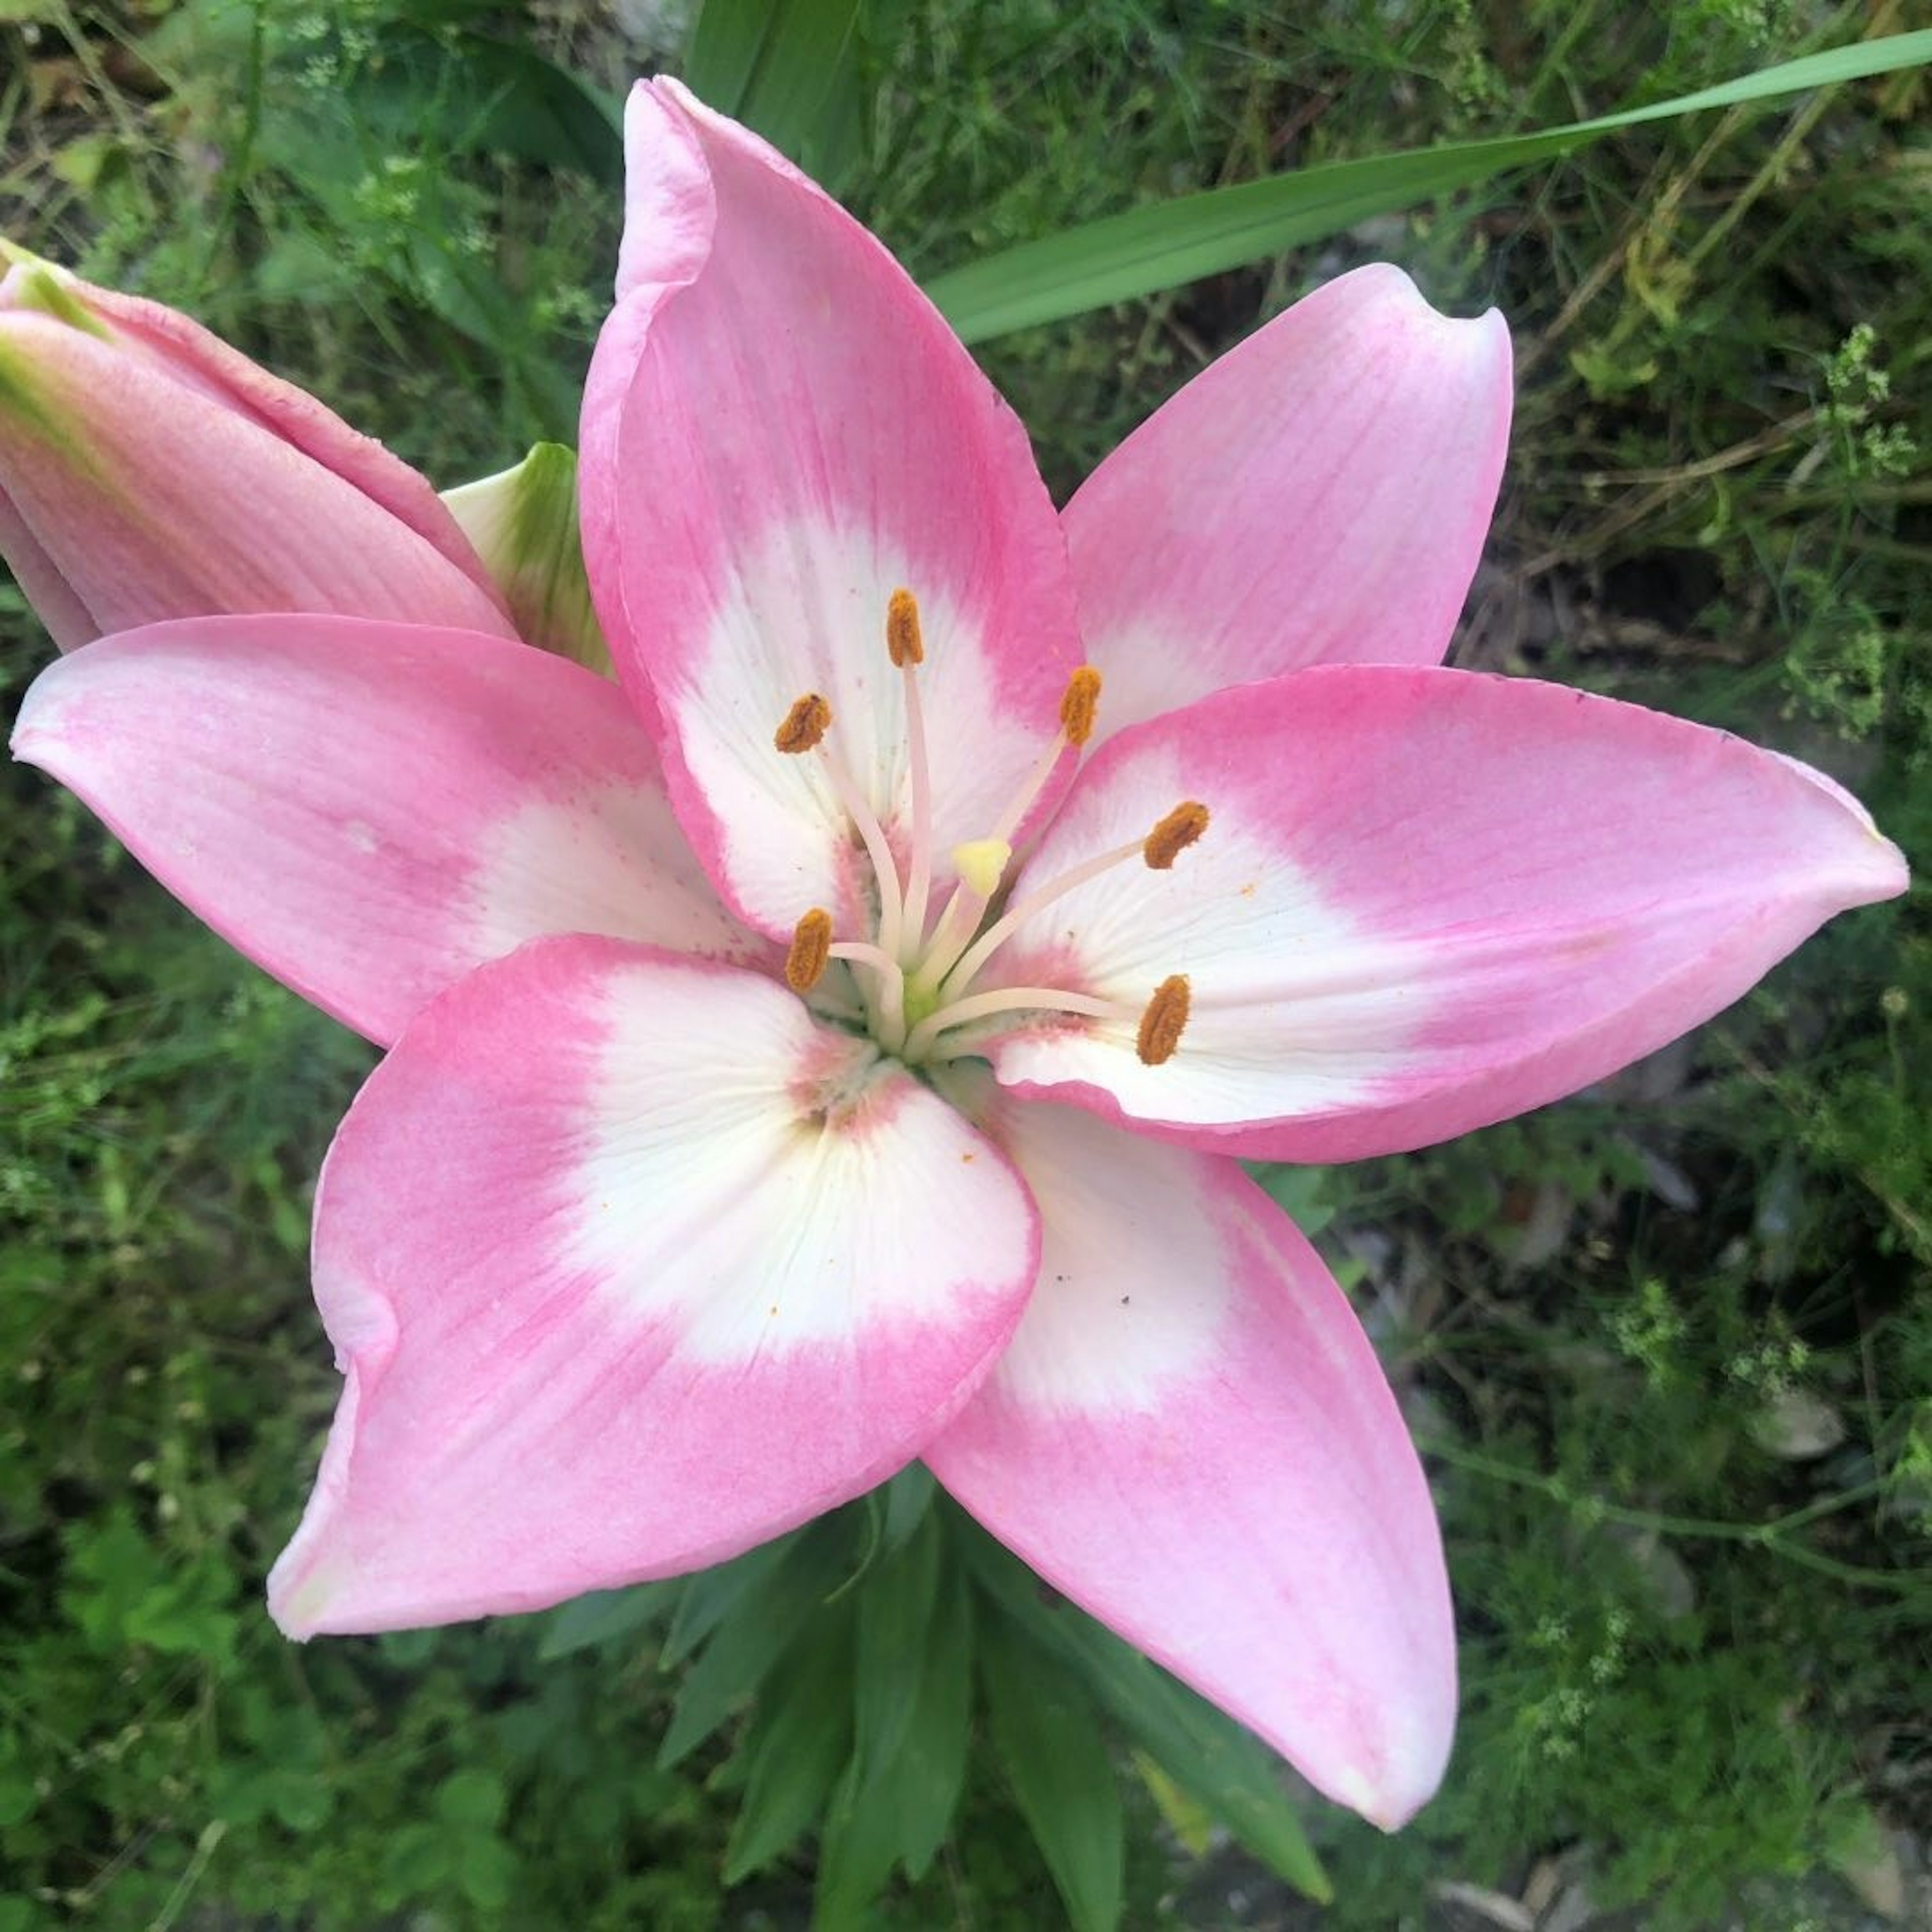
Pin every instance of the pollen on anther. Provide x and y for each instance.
(805, 724)
(903, 644)
(1164, 1022)
(1174, 834)
(811, 950)
(1081, 705)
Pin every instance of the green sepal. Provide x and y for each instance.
(523, 523)
(47, 287)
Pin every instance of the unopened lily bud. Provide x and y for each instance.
(148, 470)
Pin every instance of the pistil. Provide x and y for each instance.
(1159, 850)
(981, 862)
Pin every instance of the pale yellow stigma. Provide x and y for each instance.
(810, 951)
(1081, 705)
(981, 864)
(806, 724)
(1164, 1022)
(1173, 835)
(903, 644)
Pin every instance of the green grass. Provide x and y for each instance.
(1691, 1658)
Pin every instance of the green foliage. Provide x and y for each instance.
(1691, 1653)
(1183, 239)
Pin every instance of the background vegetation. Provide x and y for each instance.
(1667, 1345)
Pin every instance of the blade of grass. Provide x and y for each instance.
(787, 68)
(1168, 243)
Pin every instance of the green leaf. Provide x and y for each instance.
(895, 1801)
(923, 1781)
(483, 1871)
(513, 100)
(894, 1608)
(1170, 242)
(859, 1843)
(749, 1640)
(1049, 1736)
(798, 1738)
(600, 1616)
(789, 68)
(709, 1597)
(908, 1499)
(1217, 1762)
(471, 1800)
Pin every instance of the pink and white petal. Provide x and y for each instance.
(1427, 900)
(1320, 495)
(1190, 1436)
(630, 1265)
(369, 811)
(780, 431)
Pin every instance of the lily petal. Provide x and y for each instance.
(778, 432)
(630, 1265)
(1319, 495)
(1190, 1436)
(1426, 900)
(369, 811)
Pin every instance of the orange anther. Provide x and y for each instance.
(1174, 834)
(805, 724)
(1163, 1022)
(810, 951)
(1081, 705)
(904, 644)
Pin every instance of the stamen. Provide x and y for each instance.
(1174, 834)
(803, 730)
(903, 642)
(906, 647)
(810, 951)
(1008, 1000)
(1081, 705)
(888, 1026)
(1002, 929)
(805, 724)
(1164, 1022)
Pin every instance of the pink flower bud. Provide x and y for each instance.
(148, 470)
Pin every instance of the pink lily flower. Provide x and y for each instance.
(148, 470)
(825, 1050)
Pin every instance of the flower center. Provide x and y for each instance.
(916, 969)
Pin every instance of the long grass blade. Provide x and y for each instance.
(1168, 243)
